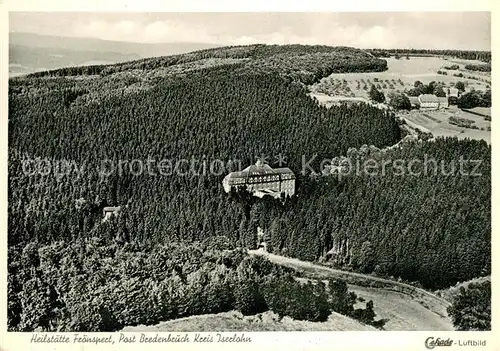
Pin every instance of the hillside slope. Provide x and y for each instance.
(406, 307)
(403, 311)
(207, 108)
(30, 52)
(27, 59)
(235, 321)
(307, 63)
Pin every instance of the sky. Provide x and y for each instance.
(430, 30)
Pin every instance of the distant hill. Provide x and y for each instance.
(29, 52)
(26, 59)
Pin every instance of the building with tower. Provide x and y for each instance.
(260, 180)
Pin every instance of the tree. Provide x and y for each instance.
(376, 95)
(363, 314)
(486, 99)
(248, 298)
(247, 235)
(321, 300)
(429, 88)
(369, 314)
(341, 301)
(471, 309)
(460, 86)
(470, 100)
(439, 91)
(414, 92)
(366, 258)
(400, 102)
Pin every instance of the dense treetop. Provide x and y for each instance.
(88, 285)
(308, 63)
(471, 308)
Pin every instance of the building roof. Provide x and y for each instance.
(428, 98)
(111, 209)
(453, 92)
(414, 100)
(258, 169)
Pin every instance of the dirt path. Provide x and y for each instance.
(406, 307)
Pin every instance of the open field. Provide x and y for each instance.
(481, 111)
(464, 61)
(402, 311)
(406, 307)
(235, 321)
(400, 75)
(437, 123)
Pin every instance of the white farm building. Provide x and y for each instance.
(428, 101)
(432, 102)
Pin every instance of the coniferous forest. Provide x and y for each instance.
(178, 237)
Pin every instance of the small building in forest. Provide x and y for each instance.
(110, 211)
(260, 180)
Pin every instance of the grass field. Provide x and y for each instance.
(402, 311)
(437, 123)
(482, 111)
(401, 75)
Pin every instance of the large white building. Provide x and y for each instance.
(260, 180)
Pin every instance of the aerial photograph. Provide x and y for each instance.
(247, 172)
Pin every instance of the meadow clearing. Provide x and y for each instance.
(400, 75)
(438, 123)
